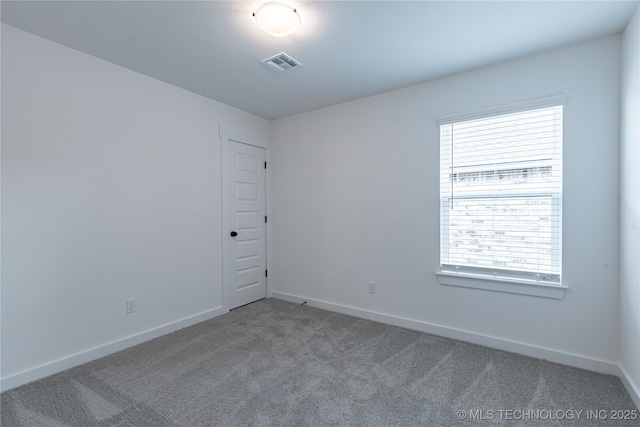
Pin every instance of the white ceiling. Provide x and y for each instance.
(349, 49)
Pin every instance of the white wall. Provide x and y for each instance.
(630, 207)
(111, 189)
(355, 199)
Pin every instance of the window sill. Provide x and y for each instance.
(502, 284)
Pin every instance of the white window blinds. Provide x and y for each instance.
(501, 192)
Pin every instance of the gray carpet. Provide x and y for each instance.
(274, 363)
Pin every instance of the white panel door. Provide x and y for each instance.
(246, 204)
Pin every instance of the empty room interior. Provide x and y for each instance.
(461, 176)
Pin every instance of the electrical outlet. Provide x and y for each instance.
(372, 287)
(131, 305)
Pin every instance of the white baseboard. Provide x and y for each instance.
(50, 368)
(632, 389)
(458, 334)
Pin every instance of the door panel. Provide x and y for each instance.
(246, 204)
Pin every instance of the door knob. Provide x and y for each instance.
(234, 234)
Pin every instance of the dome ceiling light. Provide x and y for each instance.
(278, 19)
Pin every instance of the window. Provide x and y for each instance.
(501, 197)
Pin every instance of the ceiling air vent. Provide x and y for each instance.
(281, 62)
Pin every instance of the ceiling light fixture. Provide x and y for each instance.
(278, 19)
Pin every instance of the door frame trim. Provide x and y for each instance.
(225, 136)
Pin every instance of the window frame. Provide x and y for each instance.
(502, 280)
